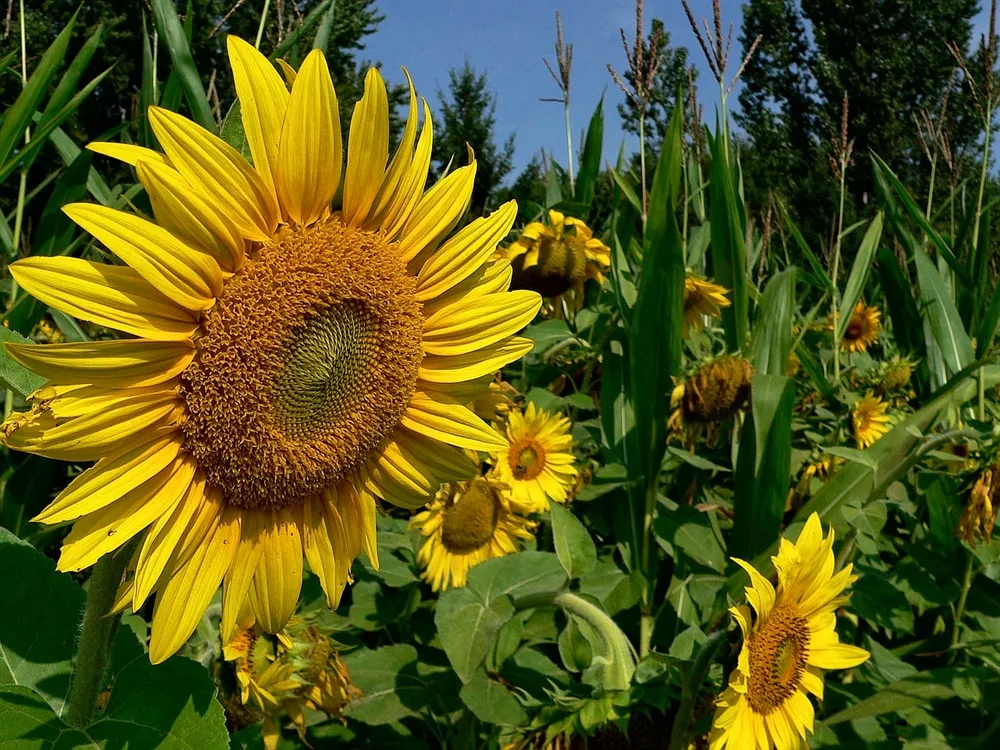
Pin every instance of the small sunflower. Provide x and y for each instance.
(536, 462)
(288, 361)
(870, 420)
(792, 638)
(821, 468)
(279, 675)
(896, 374)
(715, 392)
(465, 525)
(701, 298)
(557, 258)
(862, 329)
(980, 513)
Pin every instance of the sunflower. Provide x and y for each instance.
(701, 298)
(792, 638)
(979, 515)
(870, 420)
(712, 394)
(536, 461)
(862, 329)
(466, 524)
(290, 362)
(559, 257)
(821, 469)
(280, 675)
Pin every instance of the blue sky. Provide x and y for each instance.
(508, 39)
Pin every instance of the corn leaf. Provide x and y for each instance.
(172, 33)
(859, 273)
(771, 341)
(590, 159)
(942, 316)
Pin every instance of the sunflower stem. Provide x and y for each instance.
(960, 607)
(96, 636)
(689, 692)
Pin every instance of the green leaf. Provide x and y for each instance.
(469, 618)
(901, 306)
(55, 230)
(659, 311)
(818, 269)
(547, 333)
(575, 549)
(627, 190)
(877, 599)
(232, 131)
(728, 243)
(172, 33)
(590, 159)
(945, 323)
(859, 273)
(491, 701)
(771, 342)
(16, 377)
(617, 415)
(322, 39)
(918, 690)
(553, 184)
(18, 116)
(690, 531)
(763, 466)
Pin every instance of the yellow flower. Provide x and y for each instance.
(466, 525)
(715, 392)
(896, 374)
(288, 362)
(536, 461)
(559, 257)
(870, 420)
(980, 513)
(281, 674)
(791, 639)
(862, 329)
(701, 298)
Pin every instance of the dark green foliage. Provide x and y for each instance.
(467, 117)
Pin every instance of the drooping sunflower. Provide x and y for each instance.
(792, 637)
(468, 523)
(712, 394)
(280, 675)
(869, 420)
(555, 258)
(701, 298)
(862, 329)
(536, 461)
(291, 360)
(979, 515)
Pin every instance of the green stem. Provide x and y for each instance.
(569, 146)
(642, 164)
(835, 272)
(960, 607)
(930, 190)
(263, 21)
(647, 621)
(96, 635)
(689, 694)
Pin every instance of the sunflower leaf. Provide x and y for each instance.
(574, 546)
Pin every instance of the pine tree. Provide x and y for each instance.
(467, 116)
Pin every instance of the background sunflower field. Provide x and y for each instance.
(741, 491)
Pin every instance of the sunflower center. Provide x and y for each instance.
(778, 654)
(469, 523)
(304, 366)
(527, 459)
(562, 264)
(718, 390)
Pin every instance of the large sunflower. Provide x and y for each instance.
(536, 461)
(792, 638)
(466, 525)
(291, 361)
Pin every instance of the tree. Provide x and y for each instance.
(528, 189)
(888, 56)
(671, 80)
(468, 117)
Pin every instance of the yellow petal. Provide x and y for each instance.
(188, 216)
(407, 194)
(310, 152)
(367, 150)
(263, 100)
(110, 479)
(450, 423)
(437, 212)
(218, 172)
(190, 278)
(389, 192)
(241, 575)
(128, 153)
(107, 529)
(287, 71)
(493, 278)
(326, 548)
(761, 593)
(469, 325)
(275, 588)
(836, 655)
(464, 253)
(456, 369)
(128, 363)
(182, 602)
(112, 296)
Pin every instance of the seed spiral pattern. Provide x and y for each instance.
(779, 651)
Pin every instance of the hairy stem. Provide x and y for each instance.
(97, 633)
(960, 607)
(689, 694)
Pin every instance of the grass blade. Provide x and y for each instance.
(859, 273)
(590, 159)
(170, 30)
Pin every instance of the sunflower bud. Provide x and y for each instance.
(980, 513)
